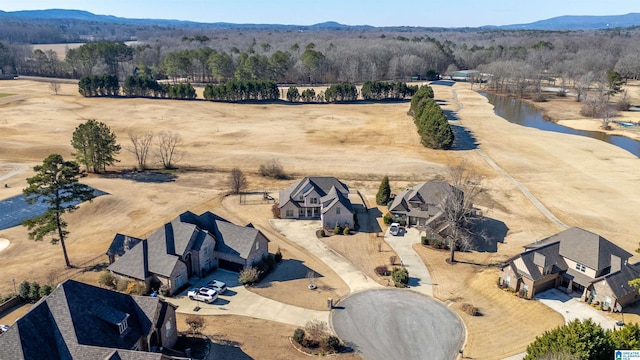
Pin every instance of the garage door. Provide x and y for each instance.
(229, 265)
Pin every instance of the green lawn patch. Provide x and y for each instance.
(3, 95)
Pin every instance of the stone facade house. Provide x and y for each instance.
(318, 198)
(575, 260)
(189, 246)
(81, 321)
(423, 205)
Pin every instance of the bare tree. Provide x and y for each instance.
(460, 215)
(237, 181)
(55, 87)
(196, 323)
(140, 145)
(316, 329)
(167, 142)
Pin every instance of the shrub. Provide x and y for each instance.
(470, 309)
(248, 275)
(24, 289)
(330, 343)
(136, 288)
(107, 279)
(382, 270)
(387, 218)
(336, 230)
(275, 210)
(320, 233)
(298, 336)
(164, 290)
(346, 231)
(45, 290)
(6, 298)
(402, 222)
(539, 98)
(122, 284)
(623, 104)
(400, 276)
(384, 192)
(278, 255)
(34, 292)
(424, 240)
(196, 323)
(272, 169)
(316, 329)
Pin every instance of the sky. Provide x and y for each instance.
(428, 13)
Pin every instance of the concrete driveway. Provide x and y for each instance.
(402, 244)
(572, 308)
(303, 233)
(398, 324)
(239, 301)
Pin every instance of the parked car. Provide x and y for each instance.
(394, 229)
(3, 328)
(203, 294)
(217, 285)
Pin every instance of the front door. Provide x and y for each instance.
(309, 212)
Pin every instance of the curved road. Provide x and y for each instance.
(398, 324)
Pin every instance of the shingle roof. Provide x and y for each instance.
(322, 185)
(619, 281)
(334, 197)
(429, 196)
(585, 247)
(551, 258)
(122, 243)
(134, 263)
(77, 322)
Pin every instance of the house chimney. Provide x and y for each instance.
(616, 264)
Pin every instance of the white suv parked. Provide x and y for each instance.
(394, 229)
(203, 294)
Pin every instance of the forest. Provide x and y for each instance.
(518, 62)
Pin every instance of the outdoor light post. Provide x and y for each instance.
(15, 291)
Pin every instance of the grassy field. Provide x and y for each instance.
(4, 95)
(584, 182)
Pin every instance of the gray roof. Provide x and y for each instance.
(121, 244)
(161, 252)
(79, 321)
(585, 247)
(548, 254)
(619, 281)
(334, 197)
(423, 200)
(322, 185)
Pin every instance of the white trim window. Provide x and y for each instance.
(288, 213)
(581, 267)
(123, 325)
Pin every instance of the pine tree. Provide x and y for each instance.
(384, 192)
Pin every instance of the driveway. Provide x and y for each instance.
(303, 233)
(239, 301)
(419, 278)
(398, 324)
(572, 308)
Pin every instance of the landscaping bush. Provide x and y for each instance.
(122, 284)
(298, 336)
(470, 309)
(346, 231)
(316, 329)
(248, 276)
(275, 211)
(424, 240)
(278, 255)
(34, 292)
(45, 290)
(400, 276)
(382, 270)
(6, 298)
(107, 279)
(164, 290)
(330, 344)
(336, 230)
(273, 169)
(387, 218)
(402, 222)
(320, 233)
(24, 290)
(136, 288)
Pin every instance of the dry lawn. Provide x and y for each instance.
(584, 182)
(259, 339)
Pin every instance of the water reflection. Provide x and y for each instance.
(521, 113)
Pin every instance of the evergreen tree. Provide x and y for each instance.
(384, 192)
(56, 185)
(95, 145)
(584, 340)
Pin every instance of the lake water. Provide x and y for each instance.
(519, 112)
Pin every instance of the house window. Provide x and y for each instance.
(289, 213)
(301, 197)
(168, 327)
(207, 250)
(338, 210)
(301, 212)
(314, 200)
(123, 325)
(581, 267)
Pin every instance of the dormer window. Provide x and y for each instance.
(314, 200)
(581, 267)
(301, 197)
(338, 210)
(123, 326)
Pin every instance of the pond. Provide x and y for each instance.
(519, 112)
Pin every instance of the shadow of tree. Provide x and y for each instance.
(494, 232)
(287, 270)
(463, 140)
(149, 176)
(368, 222)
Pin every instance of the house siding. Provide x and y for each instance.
(262, 251)
(507, 271)
(179, 269)
(289, 206)
(588, 271)
(331, 217)
(207, 253)
(169, 335)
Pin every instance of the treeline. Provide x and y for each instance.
(431, 122)
(134, 86)
(241, 90)
(380, 90)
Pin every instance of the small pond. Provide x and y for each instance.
(519, 112)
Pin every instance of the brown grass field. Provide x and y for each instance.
(584, 182)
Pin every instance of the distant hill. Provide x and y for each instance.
(78, 17)
(571, 22)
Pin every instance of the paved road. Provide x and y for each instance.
(239, 301)
(493, 164)
(398, 324)
(303, 232)
(419, 277)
